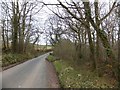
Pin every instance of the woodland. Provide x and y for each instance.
(82, 32)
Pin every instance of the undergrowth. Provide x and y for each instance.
(82, 77)
(10, 58)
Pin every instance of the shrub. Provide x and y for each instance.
(65, 49)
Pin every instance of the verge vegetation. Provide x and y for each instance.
(77, 72)
(9, 58)
(71, 76)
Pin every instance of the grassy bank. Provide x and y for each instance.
(10, 58)
(81, 77)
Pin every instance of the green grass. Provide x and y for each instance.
(10, 58)
(58, 66)
(42, 47)
(70, 77)
(51, 58)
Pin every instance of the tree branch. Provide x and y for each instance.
(113, 6)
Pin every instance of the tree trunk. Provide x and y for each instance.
(7, 39)
(3, 35)
(98, 58)
(91, 44)
(79, 46)
(119, 46)
(15, 28)
(103, 37)
(21, 33)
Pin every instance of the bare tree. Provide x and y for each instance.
(92, 21)
(18, 24)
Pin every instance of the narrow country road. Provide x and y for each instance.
(30, 74)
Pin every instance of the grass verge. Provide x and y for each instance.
(70, 77)
(9, 59)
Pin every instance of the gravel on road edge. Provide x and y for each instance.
(53, 78)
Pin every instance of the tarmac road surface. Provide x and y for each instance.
(30, 74)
